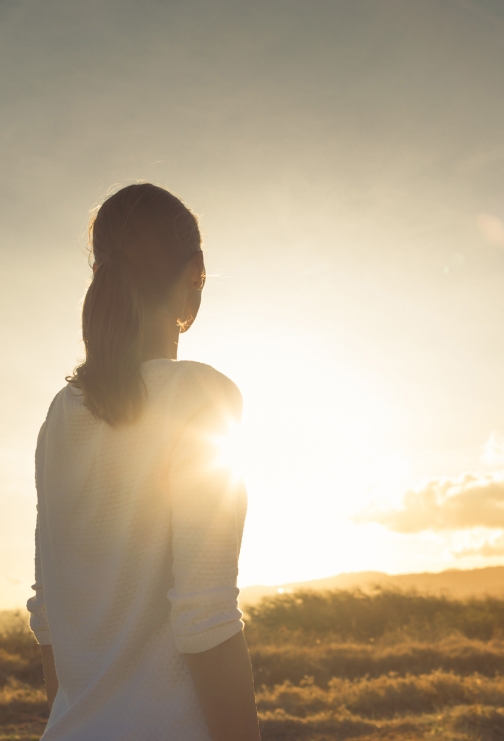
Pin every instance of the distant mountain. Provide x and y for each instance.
(454, 582)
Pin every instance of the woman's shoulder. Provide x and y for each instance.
(210, 387)
(65, 394)
(207, 375)
(57, 412)
(164, 370)
(196, 385)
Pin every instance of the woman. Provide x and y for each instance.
(139, 527)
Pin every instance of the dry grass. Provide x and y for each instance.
(275, 663)
(409, 682)
(22, 702)
(474, 723)
(368, 616)
(384, 697)
(435, 705)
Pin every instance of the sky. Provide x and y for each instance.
(346, 162)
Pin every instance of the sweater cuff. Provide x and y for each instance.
(209, 638)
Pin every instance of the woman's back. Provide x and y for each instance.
(138, 536)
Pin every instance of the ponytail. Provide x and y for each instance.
(146, 219)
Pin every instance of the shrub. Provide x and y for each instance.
(19, 652)
(273, 664)
(359, 616)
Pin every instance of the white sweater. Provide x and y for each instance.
(137, 543)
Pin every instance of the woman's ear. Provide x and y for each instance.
(197, 271)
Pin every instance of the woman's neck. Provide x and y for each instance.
(161, 337)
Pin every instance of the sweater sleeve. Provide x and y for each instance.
(36, 604)
(206, 533)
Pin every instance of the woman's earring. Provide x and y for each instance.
(184, 325)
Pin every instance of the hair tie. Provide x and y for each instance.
(111, 258)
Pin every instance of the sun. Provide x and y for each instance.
(229, 449)
(317, 443)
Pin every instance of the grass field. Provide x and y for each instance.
(335, 665)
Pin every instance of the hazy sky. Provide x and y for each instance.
(346, 159)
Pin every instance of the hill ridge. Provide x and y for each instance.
(483, 581)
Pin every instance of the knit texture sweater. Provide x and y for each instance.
(138, 535)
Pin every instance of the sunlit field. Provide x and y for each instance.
(335, 665)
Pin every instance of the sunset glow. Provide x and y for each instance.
(346, 165)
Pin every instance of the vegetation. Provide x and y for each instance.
(335, 665)
(359, 616)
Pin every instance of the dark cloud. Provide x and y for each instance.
(446, 504)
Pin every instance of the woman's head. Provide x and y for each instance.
(144, 241)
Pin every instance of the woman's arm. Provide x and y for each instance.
(208, 504)
(223, 680)
(50, 678)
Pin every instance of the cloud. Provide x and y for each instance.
(487, 549)
(473, 500)
(493, 450)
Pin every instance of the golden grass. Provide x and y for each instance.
(274, 663)
(21, 702)
(407, 684)
(384, 697)
(473, 723)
